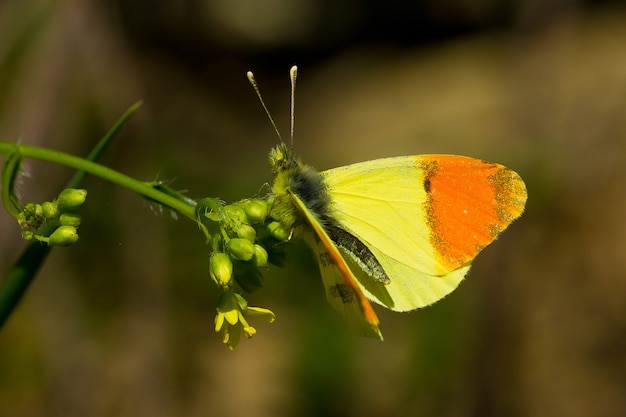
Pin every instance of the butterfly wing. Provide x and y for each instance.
(424, 218)
(343, 292)
(342, 297)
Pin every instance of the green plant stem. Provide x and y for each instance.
(143, 188)
(19, 278)
(10, 169)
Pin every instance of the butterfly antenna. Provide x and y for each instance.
(258, 93)
(293, 74)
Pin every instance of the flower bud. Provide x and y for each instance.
(260, 256)
(72, 197)
(33, 211)
(241, 249)
(22, 221)
(256, 210)
(69, 219)
(221, 268)
(236, 213)
(211, 208)
(63, 236)
(278, 231)
(50, 210)
(245, 231)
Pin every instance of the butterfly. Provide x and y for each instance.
(401, 232)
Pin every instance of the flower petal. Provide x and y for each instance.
(219, 322)
(249, 331)
(262, 313)
(232, 316)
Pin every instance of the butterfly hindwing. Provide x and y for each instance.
(342, 289)
(338, 294)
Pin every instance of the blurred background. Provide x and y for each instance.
(121, 324)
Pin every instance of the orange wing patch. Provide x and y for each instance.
(469, 203)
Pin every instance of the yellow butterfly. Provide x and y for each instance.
(401, 232)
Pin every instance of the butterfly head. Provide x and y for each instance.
(282, 160)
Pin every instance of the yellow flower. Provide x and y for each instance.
(230, 320)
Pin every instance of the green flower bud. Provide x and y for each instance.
(278, 231)
(33, 210)
(69, 219)
(221, 268)
(256, 210)
(211, 208)
(235, 213)
(241, 249)
(260, 256)
(31, 217)
(245, 231)
(27, 235)
(71, 198)
(21, 220)
(50, 210)
(63, 236)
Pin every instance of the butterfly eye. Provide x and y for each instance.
(283, 165)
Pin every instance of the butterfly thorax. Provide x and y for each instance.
(291, 177)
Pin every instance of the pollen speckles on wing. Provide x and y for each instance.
(510, 194)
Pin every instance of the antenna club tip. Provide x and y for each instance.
(293, 71)
(250, 76)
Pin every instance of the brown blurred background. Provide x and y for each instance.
(121, 324)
